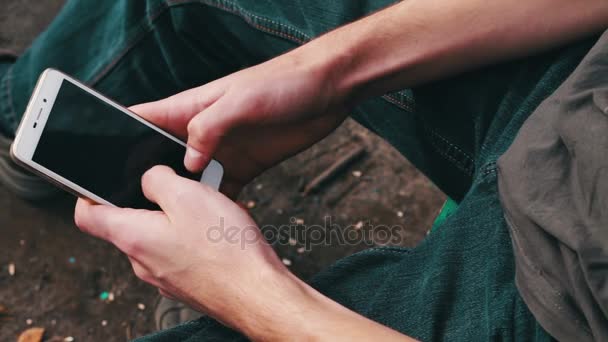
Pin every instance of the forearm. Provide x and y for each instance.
(295, 311)
(416, 41)
(413, 42)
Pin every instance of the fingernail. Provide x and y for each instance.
(192, 157)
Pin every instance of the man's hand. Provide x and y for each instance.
(202, 249)
(253, 119)
(205, 251)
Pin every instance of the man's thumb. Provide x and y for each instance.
(205, 131)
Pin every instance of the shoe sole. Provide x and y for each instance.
(169, 313)
(18, 180)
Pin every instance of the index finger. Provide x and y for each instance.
(121, 226)
(173, 113)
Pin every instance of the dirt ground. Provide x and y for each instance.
(60, 273)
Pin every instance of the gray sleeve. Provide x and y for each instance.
(553, 184)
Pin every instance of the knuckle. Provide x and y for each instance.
(149, 176)
(159, 275)
(80, 219)
(195, 128)
(129, 244)
(142, 274)
(183, 196)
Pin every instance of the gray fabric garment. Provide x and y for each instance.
(553, 184)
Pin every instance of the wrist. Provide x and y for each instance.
(275, 308)
(323, 61)
(350, 61)
(285, 308)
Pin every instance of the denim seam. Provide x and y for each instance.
(7, 95)
(466, 167)
(405, 106)
(466, 155)
(144, 28)
(489, 168)
(458, 157)
(254, 21)
(251, 19)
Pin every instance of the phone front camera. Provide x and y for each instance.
(35, 124)
(44, 100)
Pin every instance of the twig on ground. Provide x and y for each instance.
(333, 170)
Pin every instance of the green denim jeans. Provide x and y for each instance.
(456, 285)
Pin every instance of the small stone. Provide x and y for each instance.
(53, 322)
(111, 297)
(11, 269)
(286, 262)
(279, 211)
(72, 260)
(400, 213)
(250, 204)
(29, 321)
(299, 221)
(68, 339)
(292, 242)
(259, 187)
(141, 306)
(359, 225)
(357, 173)
(22, 242)
(104, 323)
(301, 250)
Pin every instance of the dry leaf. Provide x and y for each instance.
(31, 335)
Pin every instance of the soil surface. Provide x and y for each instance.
(61, 275)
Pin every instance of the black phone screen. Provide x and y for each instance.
(102, 149)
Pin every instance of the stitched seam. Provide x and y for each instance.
(9, 97)
(465, 169)
(464, 154)
(489, 168)
(385, 250)
(541, 275)
(405, 106)
(278, 24)
(145, 28)
(466, 165)
(250, 19)
(4, 98)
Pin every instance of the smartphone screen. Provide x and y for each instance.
(102, 149)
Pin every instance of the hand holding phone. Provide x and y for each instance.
(93, 147)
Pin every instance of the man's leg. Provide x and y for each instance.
(130, 50)
(142, 50)
(459, 125)
(459, 283)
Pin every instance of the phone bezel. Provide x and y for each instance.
(37, 111)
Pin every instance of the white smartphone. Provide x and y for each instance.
(93, 147)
